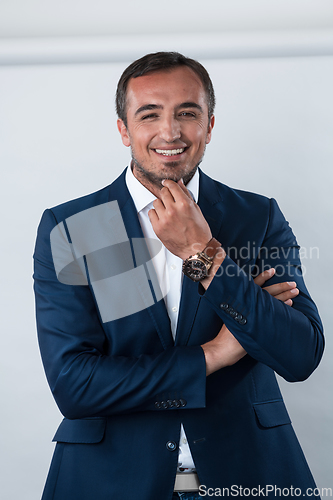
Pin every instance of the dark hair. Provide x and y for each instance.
(160, 61)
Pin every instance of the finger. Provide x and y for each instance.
(279, 288)
(166, 197)
(158, 207)
(263, 277)
(289, 302)
(153, 217)
(177, 192)
(287, 295)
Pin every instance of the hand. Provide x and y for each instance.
(224, 349)
(178, 221)
(282, 291)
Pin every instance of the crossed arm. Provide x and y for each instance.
(180, 225)
(224, 349)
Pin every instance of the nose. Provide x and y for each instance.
(170, 129)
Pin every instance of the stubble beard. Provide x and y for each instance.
(148, 178)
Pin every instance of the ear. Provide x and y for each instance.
(210, 128)
(123, 132)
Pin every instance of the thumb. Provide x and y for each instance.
(265, 276)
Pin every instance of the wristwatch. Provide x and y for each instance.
(197, 266)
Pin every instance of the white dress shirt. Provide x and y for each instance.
(168, 269)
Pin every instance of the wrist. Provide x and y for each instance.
(198, 265)
(213, 358)
(217, 261)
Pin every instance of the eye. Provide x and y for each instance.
(188, 114)
(150, 116)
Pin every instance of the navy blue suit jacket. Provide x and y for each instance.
(124, 386)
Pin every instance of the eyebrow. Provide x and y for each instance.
(150, 107)
(191, 105)
(147, 107)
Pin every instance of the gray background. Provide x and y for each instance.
(273, 74)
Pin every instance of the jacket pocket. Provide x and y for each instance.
(272, 413)
(84, 431)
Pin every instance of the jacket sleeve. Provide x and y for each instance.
(288, 339)
(84, 379)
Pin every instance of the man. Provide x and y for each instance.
(161, 356)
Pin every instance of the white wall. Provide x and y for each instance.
(58, 140)
(38, 18)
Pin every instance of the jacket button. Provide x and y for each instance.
(157, 405)
(233, 313)
(176, 403)
(224, 306)
(170, 403)
(164, 405)
(171, 446)
(183, 402)
(240, 319)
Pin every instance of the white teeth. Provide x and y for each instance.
(169, 152)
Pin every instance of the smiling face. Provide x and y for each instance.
(167, 125)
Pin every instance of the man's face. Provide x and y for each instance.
(167, 125)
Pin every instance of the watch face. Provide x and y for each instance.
(195, 269)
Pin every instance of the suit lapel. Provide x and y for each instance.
(211, 207)
(157, 312)
(210, 203)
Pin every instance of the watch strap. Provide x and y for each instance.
(211, 248)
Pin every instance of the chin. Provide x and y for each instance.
(172, 176)
(172, 170)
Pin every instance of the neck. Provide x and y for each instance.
(154, 186)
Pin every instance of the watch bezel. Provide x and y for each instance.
(191, 265)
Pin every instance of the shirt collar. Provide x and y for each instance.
(142, 197)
